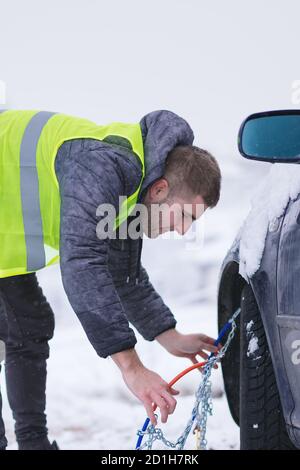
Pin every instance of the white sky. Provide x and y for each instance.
(211, 62)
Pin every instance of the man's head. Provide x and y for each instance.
(190, 184)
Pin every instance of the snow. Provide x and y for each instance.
(249, 326)
(268, 205)
(252, 346)
(88, 405)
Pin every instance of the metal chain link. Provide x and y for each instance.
(203, 406)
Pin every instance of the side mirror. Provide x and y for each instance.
(272, 136)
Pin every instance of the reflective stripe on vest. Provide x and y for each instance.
(30, 195)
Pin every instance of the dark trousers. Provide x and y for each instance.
(26, 326)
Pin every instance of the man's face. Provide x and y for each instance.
(169, 213)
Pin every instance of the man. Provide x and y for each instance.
(56, 171)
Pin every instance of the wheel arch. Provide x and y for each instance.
(229, 298)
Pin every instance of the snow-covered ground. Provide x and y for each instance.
(116, 61)
(88, 405)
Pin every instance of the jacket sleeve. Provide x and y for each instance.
(145, 308)
(83, 256)
(143, 305)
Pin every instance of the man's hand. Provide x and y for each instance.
(146, 385)
(188, 346)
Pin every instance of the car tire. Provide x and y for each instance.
(262, 425)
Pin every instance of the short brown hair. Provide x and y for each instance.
(191, 167)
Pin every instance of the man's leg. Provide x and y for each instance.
(3, 337)
(3, 441)
(30, 325)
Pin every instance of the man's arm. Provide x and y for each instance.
(92, 294)
(83, 256)
(144, 307)
(146, 385)
(86, 180)
(146, 310)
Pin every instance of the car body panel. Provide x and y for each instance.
(275, 286)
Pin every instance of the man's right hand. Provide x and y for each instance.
(146, 385)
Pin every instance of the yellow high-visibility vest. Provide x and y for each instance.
(29, 191)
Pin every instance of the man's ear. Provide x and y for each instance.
(159, 190)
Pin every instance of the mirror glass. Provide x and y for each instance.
(275, 137)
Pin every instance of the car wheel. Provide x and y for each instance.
(262, 424)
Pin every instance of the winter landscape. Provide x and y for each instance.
(197, 60)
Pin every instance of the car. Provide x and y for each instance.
(261, 275)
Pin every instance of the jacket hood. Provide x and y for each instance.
(161, 131)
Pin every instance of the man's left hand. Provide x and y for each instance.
(189, 346)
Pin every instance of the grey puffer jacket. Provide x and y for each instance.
(104, 280)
